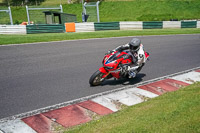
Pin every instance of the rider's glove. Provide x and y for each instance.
(109, 52)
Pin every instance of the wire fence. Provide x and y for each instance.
(5, 15)
(92, 9)
(35, 15)
(92, 12)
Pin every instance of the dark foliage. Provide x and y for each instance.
(22, 2)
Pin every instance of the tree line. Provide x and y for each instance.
(21, 2)
(38, 2)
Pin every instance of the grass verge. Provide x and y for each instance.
(149, 10)
(176, 112)
(111, 11)
(47, 37)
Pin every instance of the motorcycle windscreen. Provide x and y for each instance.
(112, 58)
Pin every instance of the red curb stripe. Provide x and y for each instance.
(69, 116)
(39, 123)
(198, 70)
(163, 86)
(95, 107)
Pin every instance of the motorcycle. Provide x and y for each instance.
(113, 64)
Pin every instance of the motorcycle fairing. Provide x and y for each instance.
(111, 63)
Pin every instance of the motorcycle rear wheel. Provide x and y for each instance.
(96, 78)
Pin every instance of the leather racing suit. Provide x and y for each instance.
(138, 57)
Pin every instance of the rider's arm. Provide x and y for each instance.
(123, 47)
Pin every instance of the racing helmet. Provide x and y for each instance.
(134, 44)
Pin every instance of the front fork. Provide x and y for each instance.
(102, 70)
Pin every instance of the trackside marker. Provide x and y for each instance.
(95, 107)
(39, 123)
(69, 116)
(164, 86)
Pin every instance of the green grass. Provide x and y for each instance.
(149, 10)
(30, 38)
(19, 15)
(137, 10)
(174, 112)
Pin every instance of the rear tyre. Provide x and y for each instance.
(96, 78)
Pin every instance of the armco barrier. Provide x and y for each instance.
(106, 26)
(188, 24)
(12, 29)
(45, 28)
(130, 25)
(171, 24)
(90, 26)
(84, 27)
(198, 24)
(153, 25)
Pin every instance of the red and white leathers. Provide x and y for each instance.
(138, 56)
(141, 55)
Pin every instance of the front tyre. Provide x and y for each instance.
(96, 78)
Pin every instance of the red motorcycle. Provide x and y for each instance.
(112, 67)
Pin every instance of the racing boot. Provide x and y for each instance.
(132, 71)
(132, 74)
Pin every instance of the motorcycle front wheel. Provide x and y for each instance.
(96, 78)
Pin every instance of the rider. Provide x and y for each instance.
(136, 50)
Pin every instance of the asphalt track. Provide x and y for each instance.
(34, 76)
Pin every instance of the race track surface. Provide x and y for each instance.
(34, 76)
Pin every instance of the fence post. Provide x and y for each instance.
(27, 14)
(10, 14)
(84, 9)
(98, 11)
(61, 9)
